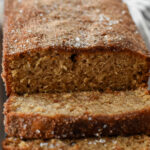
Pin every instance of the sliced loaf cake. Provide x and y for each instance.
(71, 45)
(79, 114)
(117, 143)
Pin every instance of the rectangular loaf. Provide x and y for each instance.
(71, 45)
(79, 114)
(116, 143)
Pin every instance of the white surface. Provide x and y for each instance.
(1, 11)
(140, 12)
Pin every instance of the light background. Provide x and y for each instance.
(2, 92)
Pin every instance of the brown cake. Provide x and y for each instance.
(119, 143)
(79, 114)
(71, 45)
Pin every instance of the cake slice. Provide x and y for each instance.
(116, 143)
(78, 114)
(71, 45)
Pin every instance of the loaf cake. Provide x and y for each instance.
(116, 143)
(71, 45)
(78, 114)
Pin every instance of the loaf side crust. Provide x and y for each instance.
(138, 142)
(76, 127)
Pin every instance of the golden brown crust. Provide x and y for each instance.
(33, 125)
(72, 127)
(91, 17)
(11, 143)
(139, 142)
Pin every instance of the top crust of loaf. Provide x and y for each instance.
(69, 25)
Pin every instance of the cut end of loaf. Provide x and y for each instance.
(55, 71)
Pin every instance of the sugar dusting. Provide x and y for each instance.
(43, 144)
(71, 24)
(131, 142)
(38, 131)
